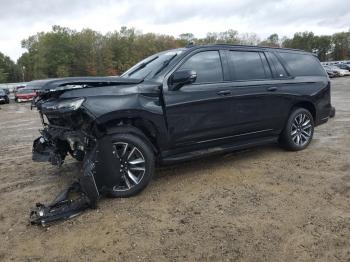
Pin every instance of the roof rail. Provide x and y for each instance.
(190, 44)
(253, 46)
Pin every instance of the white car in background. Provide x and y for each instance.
(337, 70)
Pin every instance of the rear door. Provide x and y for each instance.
(259, 108)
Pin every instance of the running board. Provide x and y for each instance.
(217, 150)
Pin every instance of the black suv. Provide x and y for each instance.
(177, 105)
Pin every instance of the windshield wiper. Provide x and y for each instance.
(143, 65)
(165, 64)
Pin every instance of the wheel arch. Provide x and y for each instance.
(307, 105)
(142, 128)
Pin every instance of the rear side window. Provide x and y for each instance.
(278, 70)
(207, 66)
(302, 64)
(247, 65)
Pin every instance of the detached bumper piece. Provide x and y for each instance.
(63, 207)
(101, 173)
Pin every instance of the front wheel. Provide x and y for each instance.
(136, 164)
(298, 131)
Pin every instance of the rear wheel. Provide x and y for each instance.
(136, 164)
(298, 131)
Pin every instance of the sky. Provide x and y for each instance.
(21, 18)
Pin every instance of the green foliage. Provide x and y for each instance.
(64, 52)
(303, 41)
(3, 75)
(8, 70)
(341, 48)
(272, 40)
(322, 46)
(335, 47)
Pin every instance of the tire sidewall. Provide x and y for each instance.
(147, 153)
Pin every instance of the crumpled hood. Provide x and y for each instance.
(67, 83)
(97, 91)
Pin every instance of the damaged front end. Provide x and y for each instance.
(100, 171)
(68, 128)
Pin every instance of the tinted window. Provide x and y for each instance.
(247, 65)
(302, 64)
(278, 70)
(207, 65)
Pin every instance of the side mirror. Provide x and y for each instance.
(181, 78)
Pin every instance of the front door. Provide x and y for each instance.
(200, 111)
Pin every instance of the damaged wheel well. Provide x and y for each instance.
(140, 127)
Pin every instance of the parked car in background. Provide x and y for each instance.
(17, 88)
(6, 91)
(344, 66)
(4, 98)
(24, 95)
(337, 70)
(331, 73)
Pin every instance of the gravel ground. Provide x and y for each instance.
(262, 204)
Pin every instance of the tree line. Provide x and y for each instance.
(65, 52)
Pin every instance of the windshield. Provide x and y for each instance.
(25, 91)
(2, 92)
(151, 65)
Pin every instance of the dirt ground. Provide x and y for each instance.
(263, 204)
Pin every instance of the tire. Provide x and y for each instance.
(299, 130)
(141, 151)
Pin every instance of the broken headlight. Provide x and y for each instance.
(63, 105)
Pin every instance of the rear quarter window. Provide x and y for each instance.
(302, 64)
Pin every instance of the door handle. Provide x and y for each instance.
(272, 88)
(224, 93)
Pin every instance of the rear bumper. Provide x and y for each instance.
(325, 118)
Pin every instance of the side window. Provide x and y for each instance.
(207, 66)
(247, 65)
(302, 64)
(278, 71)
